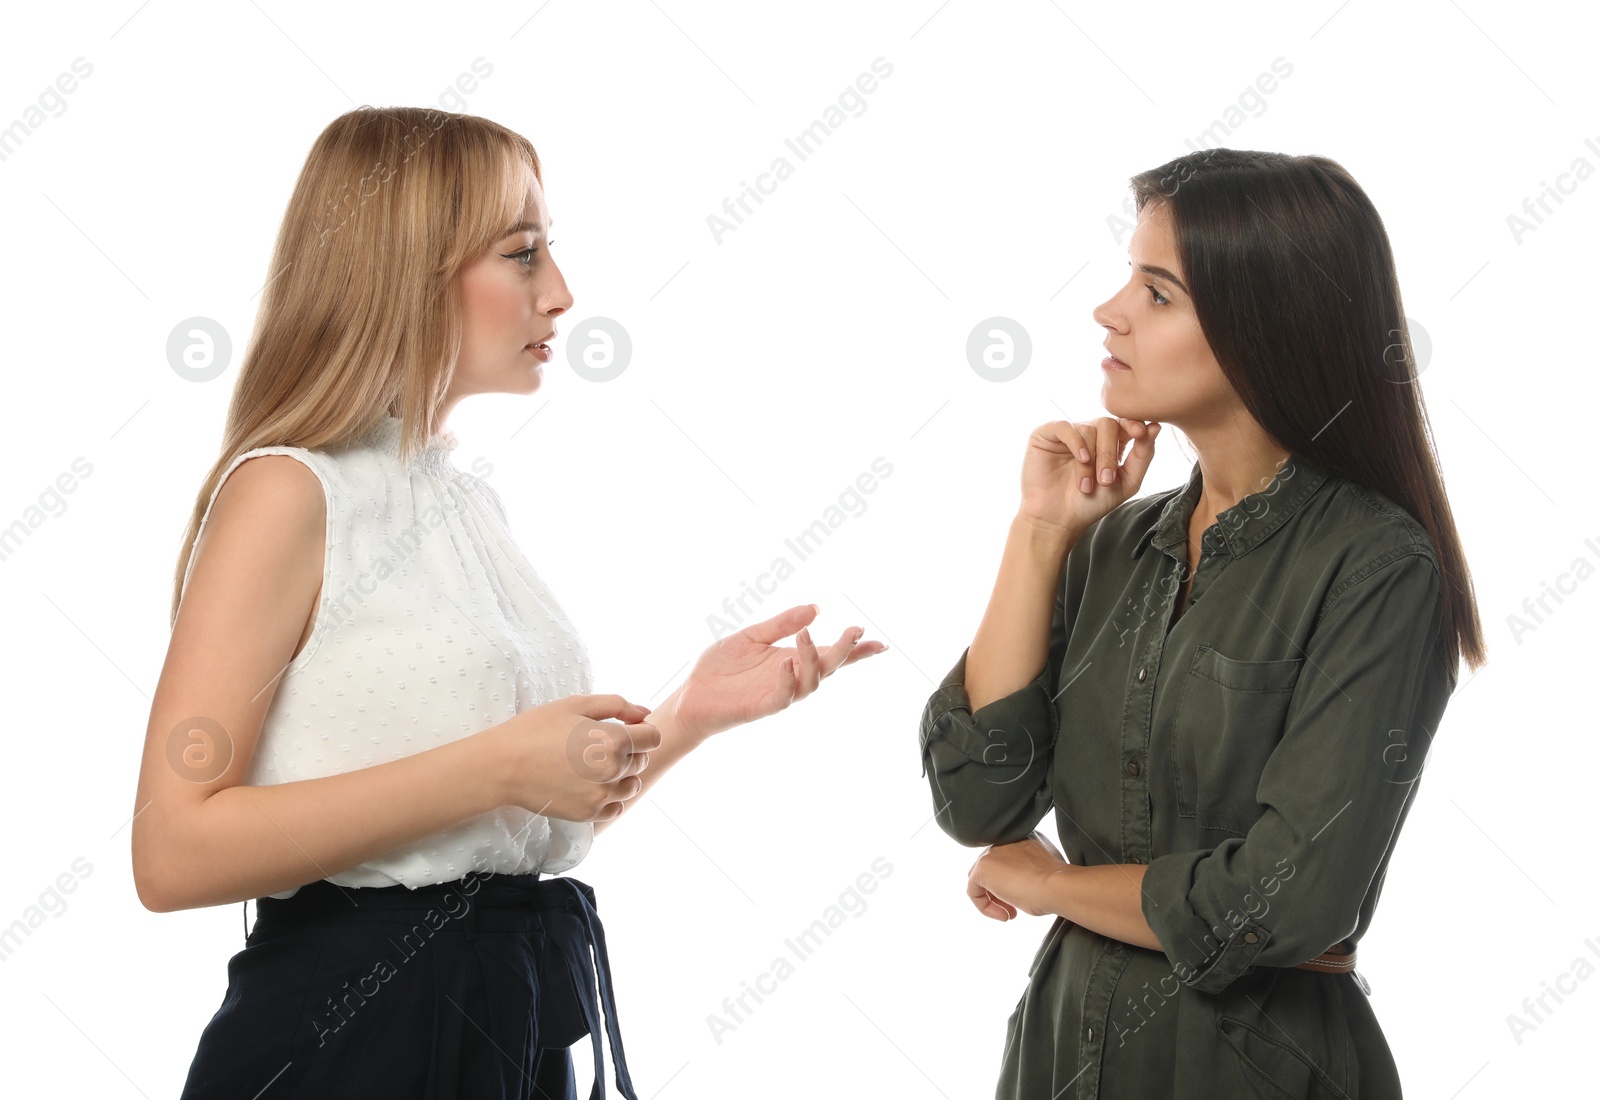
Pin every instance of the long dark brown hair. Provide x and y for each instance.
(1294, 285)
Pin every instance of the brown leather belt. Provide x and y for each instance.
(1338, 959)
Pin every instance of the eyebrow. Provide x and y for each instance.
(522, 227)
(1163, 273)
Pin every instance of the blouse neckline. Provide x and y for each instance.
(434, 456)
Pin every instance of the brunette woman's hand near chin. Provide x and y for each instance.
(1074, 472)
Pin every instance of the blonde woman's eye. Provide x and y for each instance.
(528, 252)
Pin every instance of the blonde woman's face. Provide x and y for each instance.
(510, 299)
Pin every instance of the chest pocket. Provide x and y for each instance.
(1230, 717)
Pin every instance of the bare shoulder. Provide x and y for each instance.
(252, 587)
(265, 529)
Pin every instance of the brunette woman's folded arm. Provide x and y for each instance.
(988, 730)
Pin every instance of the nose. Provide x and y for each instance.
(558, 298)
(1110, 314)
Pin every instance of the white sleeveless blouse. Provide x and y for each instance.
(431, 626)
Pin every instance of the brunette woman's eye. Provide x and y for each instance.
(1159, 298)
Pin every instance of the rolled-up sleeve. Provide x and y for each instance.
(1333, 793)
(989, 771)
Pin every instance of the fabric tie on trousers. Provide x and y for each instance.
(573, 968)
(587, 973)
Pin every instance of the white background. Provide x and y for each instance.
(769, 371)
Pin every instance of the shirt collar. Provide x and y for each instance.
(1242, 527)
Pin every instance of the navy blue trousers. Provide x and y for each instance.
(467, 989)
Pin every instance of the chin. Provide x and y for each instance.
(1121, 407)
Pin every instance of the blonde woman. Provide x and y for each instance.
(374, 717)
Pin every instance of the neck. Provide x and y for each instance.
(1233, 464)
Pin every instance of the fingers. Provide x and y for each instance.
(1086, 449)
(625, 789)
(781, 625)
(1077, 443)
(609, 706)
(987, 903)
(1105, 439)
(999, 910)
(1144, 449)
(642, 737)
(810, 662)
(839, 652)
(1061, 437)
(604, 752)
(863, 651)
(1108, 454)
(812, 665)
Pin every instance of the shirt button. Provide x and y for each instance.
(1141, 675)
(1133, 767)
(1091, 1034)
(1249, 937)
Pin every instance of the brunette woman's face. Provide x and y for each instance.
(510, 299)
(1151, 326)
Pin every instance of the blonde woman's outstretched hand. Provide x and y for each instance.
(744, 677)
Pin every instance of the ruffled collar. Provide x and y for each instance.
(434, 456)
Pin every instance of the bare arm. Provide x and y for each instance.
(199, 838)
(1030, 875)
(1013, 639)
(1103, 899)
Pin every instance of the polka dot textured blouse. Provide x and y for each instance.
(431, 627)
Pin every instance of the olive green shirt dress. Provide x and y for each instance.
(1258, 754)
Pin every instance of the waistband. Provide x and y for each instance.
(482, 890)
(571, 966)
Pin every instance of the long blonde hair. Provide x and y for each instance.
(361, 312)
